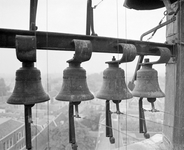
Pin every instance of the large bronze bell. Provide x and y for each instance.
(114, 86)
(28, 88)
(147, 85)
(74, 87)
(148, 4)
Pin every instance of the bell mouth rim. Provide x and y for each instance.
(160, 95)
(137, 6)
(114, 97)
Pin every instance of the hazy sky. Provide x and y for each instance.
(111, 19)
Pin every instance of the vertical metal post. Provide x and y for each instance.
(33, 10)
(28, 121)
(109, 131)
(27, 108)
(89, 19)
(88, 15)
(140, 116)
(142, 120)
(72, 139)
(131, 84)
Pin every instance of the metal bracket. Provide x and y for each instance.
(158, 27)
(83, 51)
(165, 56)
(167, 4)
(26, 48)
(129, 53)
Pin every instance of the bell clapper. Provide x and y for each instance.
(153, 107)
(76, 109)
(152, 100)
(117, 107)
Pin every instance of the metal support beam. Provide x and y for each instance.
(62, 42)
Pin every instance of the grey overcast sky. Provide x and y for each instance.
(111, 19)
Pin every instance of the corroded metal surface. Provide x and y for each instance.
(74, 87)
(28, 89)
(114, 86)
(62, 42)
(147, 85)
(26, 48)
(83, 51)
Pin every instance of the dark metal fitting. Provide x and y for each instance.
(77, 116)
(154, 110)
(26, 48)
(33, 27)
(129, 53)
(147, 135)
(145, 109)
(83, 51)
(119, 112)
(117, 106)
(167, 4)
(165, 55)
(76, 109)
(111, 112)
(112, 140)
(151, 100)
(153, 107)
(30, 119)
(27, 64)
(74, 146)
(158, 27)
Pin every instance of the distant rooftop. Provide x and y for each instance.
(8, 125)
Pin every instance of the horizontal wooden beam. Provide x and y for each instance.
(62, 42)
